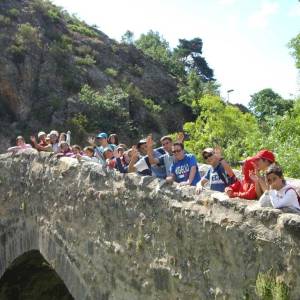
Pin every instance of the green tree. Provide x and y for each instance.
(284, 139)
(190, 52)
(154, 45)
(127, 37)
(194, 88)
(224, 125)
(266, 104)
(294, 45)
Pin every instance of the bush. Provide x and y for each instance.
(5, 21)
(88, 60)
(219, 124)
(83, 29)
(111, 72)
(150, 104)
(13, 12)
(270, 287)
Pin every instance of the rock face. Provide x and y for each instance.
(47, 56)
(114, 236)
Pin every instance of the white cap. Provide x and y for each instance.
(41, 133)
(54, 132)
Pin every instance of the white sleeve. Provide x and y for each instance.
(265, 200)
(68, 139)
(289, 199)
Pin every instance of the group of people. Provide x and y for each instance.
(262, 178)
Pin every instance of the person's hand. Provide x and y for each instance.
(32, 138)
(199, 189)
(229, 192)
(253, 176)
(149, 141)
(134, 153)
(184, 183)
(180, 137)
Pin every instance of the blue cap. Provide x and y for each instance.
(102, 135)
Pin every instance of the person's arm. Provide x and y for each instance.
(193, 170)
(134, 158)
(149, 143)
(170, 179)
(224, 163)
(13, 149)
(68, 139)
(262, 184)
(249, 194)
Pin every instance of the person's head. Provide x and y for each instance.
(102, 139)
(20, 141)
(209, 156)
(263, 159)
(178, 150)
(42, 136)
(108, 153)
(53, 136)
(63, 146)
(121, 150)
(127, 156)
(275, 177)
(167, 142)
(63, 136)
(142, 147)
(89, 151)
(76, 149)
(113, 139)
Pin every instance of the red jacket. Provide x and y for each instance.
(246, 187)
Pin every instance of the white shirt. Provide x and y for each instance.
(284, 198)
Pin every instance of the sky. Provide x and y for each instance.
(244, 41)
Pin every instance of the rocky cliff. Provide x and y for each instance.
(47, 56)
(114, 236)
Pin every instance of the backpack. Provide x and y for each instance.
(291, 188)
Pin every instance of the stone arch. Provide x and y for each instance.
(20, 236)
(30, 277)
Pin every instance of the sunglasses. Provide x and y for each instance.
(208, 155)
(177, 151)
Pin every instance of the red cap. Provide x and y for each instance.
(265, 154)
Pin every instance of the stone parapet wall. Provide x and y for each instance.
(116, 236)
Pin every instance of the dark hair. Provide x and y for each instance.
(89, 148)
(166, 137)
(115, 136)
(179, 144)
(76, 147)
(275, 169)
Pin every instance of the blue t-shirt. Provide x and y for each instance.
(217, 178)
(181, 169)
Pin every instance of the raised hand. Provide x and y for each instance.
(180, 137)
(149, 141)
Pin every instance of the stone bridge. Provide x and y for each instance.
(114, 236)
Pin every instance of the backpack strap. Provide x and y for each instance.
(291, 188)
(227, 180)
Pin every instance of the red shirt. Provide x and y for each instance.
(246, 187)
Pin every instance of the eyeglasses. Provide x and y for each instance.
(177, 151)
(207, 156)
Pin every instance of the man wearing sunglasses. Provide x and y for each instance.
(219, 175)
(184, 170)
